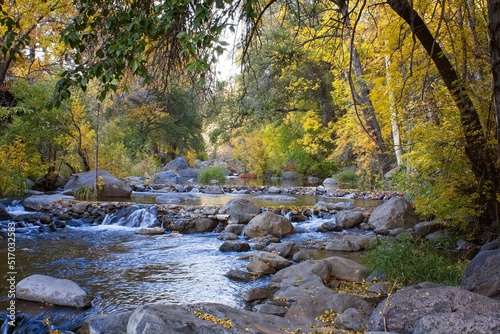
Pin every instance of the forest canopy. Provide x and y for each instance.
(406, 95)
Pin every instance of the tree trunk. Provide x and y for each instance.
(396, 133)
(362, 98)
(494, 28)
(477, 149)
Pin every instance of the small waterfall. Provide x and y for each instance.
(15, 208)
(133, 216)
(310, 226)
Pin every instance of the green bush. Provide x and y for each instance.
(85, 193)
(410, 263)
(347, 178)
(208, 174)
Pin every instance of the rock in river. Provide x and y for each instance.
(47, 289)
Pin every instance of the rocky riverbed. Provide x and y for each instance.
(303, 293)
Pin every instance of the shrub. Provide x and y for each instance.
(410, 263)
(85, 193)
(347, 178)
(212, 173)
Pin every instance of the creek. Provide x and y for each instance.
(121, 269)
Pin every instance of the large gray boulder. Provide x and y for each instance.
(419, 310)
(175, 165)
(269, 223)
(482, 274)
(349, 219)
(51, 290)
(115, 323)
(269, 261)
(241, 210)
(166, 177)
(352, 243)
(395, 213)
(206, 318)
(109, 185)
(308, 278)
(309, 310)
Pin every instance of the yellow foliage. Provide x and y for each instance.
(249, 148)
(17, 164)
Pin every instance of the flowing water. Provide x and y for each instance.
(121, 269)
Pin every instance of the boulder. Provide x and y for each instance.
(285, 249)
(228, 236)
(115, 323)
(264, 263)
(395, 213)
(189, 173)
(403, 312)
(203, 224)
(342, 245)
(352, 243)
(166, 177)
(234, 246)
(240, 275)
(175, 165)
(273, 190)
(482, 274)
(347, 270)
(241, 210)
(108, 184)
(352, 319)
(457, 322)
(349, 219)
(206, 318)
(38, 202)
(423, 229)
(330, 182)
(269, 223)
(270, 309)
(51, 290)
(308, 310)
(329, 226)
(275, 261)
(257, 293)
(214, 190)
(234, 228)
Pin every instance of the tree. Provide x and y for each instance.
(494, 30)
(152, 40)
(482, 159)
(30, 32)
